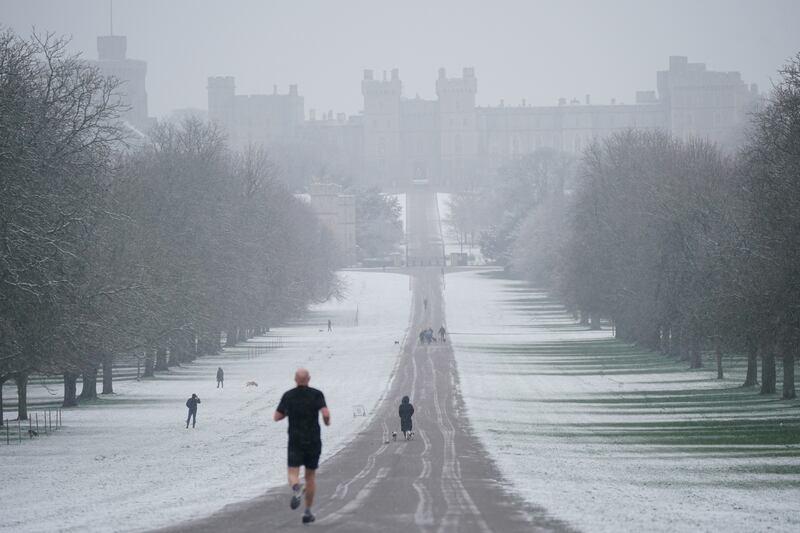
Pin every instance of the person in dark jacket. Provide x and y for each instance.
(191, 403)
(302, 405)
(406, 411)
(220, 378)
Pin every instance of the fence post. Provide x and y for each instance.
(50, 418)
(59, 417)
(36, 414)
(19, 430)
(8, 437)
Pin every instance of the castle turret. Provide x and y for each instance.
(112, 61)
(458, 126)
(221, 101)
(382, 125)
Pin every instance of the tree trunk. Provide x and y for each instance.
(108, 379)
(2, 413)
(21, 380)
(788, 373)
(230, 337)
(751, 379)
(584, 318)
(718, 354)
(70, 389)
(209, 343)
(674, 341)
(89, 389)
(695, 360)
(594, 322)
(161, 360)
(768, 371)
(148, 365)
(177, 354)
(187, 347)
(214, 342)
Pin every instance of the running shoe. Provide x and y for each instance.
(308, 517)
(297, 495)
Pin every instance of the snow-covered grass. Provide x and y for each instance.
(128, 463)
(610, 437)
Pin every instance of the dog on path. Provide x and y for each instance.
(251, 384)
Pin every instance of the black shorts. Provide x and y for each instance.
(304, 455)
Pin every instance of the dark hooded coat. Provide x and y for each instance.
(406, 411)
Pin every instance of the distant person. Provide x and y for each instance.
(302, 405)
(422, 336)
(425, 304)
(192, 403)
(220, 378)
(441, 333)
(406, 411)
(330, 328)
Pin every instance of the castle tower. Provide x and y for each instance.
(112, 61)
(221, 104)
(382, 127)
(458, 126)
(706, 104)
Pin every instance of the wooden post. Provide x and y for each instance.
(19, 430)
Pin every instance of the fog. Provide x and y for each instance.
(539, 51)
(564, 237)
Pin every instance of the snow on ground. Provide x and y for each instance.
(128, 463)
(610, 438)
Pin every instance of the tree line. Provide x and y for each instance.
(682, 247)
(154, 250)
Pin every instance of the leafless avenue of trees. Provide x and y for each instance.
(151, 251)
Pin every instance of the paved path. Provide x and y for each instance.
(440, 482)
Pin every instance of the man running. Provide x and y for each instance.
(220, 378)
(302, 405)
(442, 331)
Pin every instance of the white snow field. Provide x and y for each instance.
(610, 438)
(128, 463)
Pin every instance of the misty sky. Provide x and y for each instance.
(538, 50)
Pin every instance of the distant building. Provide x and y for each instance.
(452, 143)
(337, 212)
(112, 61)
(258, 119)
